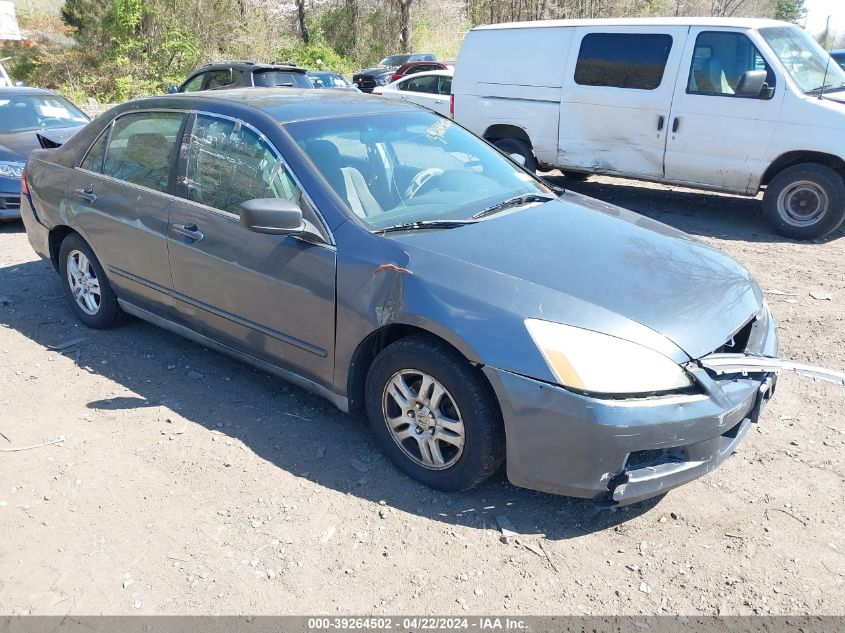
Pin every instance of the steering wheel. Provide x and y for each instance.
(420, 179)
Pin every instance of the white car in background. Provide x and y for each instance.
(5, 80)
(432, 90)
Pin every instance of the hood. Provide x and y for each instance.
(18, 145)
(378, 70)
(584, 254)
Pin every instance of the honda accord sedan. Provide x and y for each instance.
(385, 258)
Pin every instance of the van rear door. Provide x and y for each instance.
(717, 136)
(616, 98)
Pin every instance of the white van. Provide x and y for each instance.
(732, 105)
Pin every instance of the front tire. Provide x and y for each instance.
(519, 147)
(86, 286)
(434, 415)
(805, 201)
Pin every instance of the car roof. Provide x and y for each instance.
(285, 105)
(248, 66)
(746, 23)
(26, 90)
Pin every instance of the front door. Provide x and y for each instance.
(119, 198)
(718, 139)
(616, 99)
(270, 296)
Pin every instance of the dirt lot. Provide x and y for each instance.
(186, 482)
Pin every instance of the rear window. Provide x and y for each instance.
(623, 60)
(271, 78)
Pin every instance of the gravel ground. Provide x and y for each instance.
(189, 483)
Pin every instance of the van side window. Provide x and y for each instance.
(719, 61)
(623, 60)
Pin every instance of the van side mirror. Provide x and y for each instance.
(172, 90)
(275, 216)
(751, 84)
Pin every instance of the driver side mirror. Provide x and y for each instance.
(172, 90)
(275, 216)
(753, 84)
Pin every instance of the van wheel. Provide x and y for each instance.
(434, 415)
(519, 147)
(86, 286)
(576, 176)
(805, 201)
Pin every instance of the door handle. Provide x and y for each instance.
(676, 123)
(190, 231)
(87, 195)
(660, 121)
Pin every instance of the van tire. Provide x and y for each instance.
(517, 146)
(811, 186)
(575, 176)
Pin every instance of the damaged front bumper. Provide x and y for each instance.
(623, 451)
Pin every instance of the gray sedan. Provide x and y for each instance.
(387, 259)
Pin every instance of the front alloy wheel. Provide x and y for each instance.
(434, 414)
(423, 419)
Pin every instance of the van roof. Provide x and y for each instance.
(744, 23)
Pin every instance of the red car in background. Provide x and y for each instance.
(420, 67)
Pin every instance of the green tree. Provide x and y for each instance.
(86, 16)
(790, 10)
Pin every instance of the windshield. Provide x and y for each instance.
(805, 61)
(410, 167)
(394, 60)
(327, 80)
(22, 113)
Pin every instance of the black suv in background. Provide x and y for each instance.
(380, 75)
(243, 74)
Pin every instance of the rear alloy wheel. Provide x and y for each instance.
(520, 148)
(805, 201)
(86, 286)
(434, 414)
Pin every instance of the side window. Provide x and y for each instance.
(219, 78)
(422, 84)
(93, 160)
(228, 164)
(194, 84)
(623, 60)
(445, 86)
(719, 61)
(141, 148)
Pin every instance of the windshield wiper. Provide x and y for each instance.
(425, 224)
(827, 88)
(516, 201)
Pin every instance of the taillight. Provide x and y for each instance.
(452, 106)
(24, 186)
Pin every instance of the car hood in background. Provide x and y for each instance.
(616, 260)
(18, 145)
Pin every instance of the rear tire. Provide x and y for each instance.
(517, 146)
(421, 392)
(86, 286)
(805, 201)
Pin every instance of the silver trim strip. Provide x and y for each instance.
(751, 364)
(337, 400)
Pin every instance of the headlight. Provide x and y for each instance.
(11, 169)
(598, 363)
(383, 80)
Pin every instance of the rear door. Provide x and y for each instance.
(270, 296)
(616, 98)
(718, 139)
(119, 197)
(426, 91)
